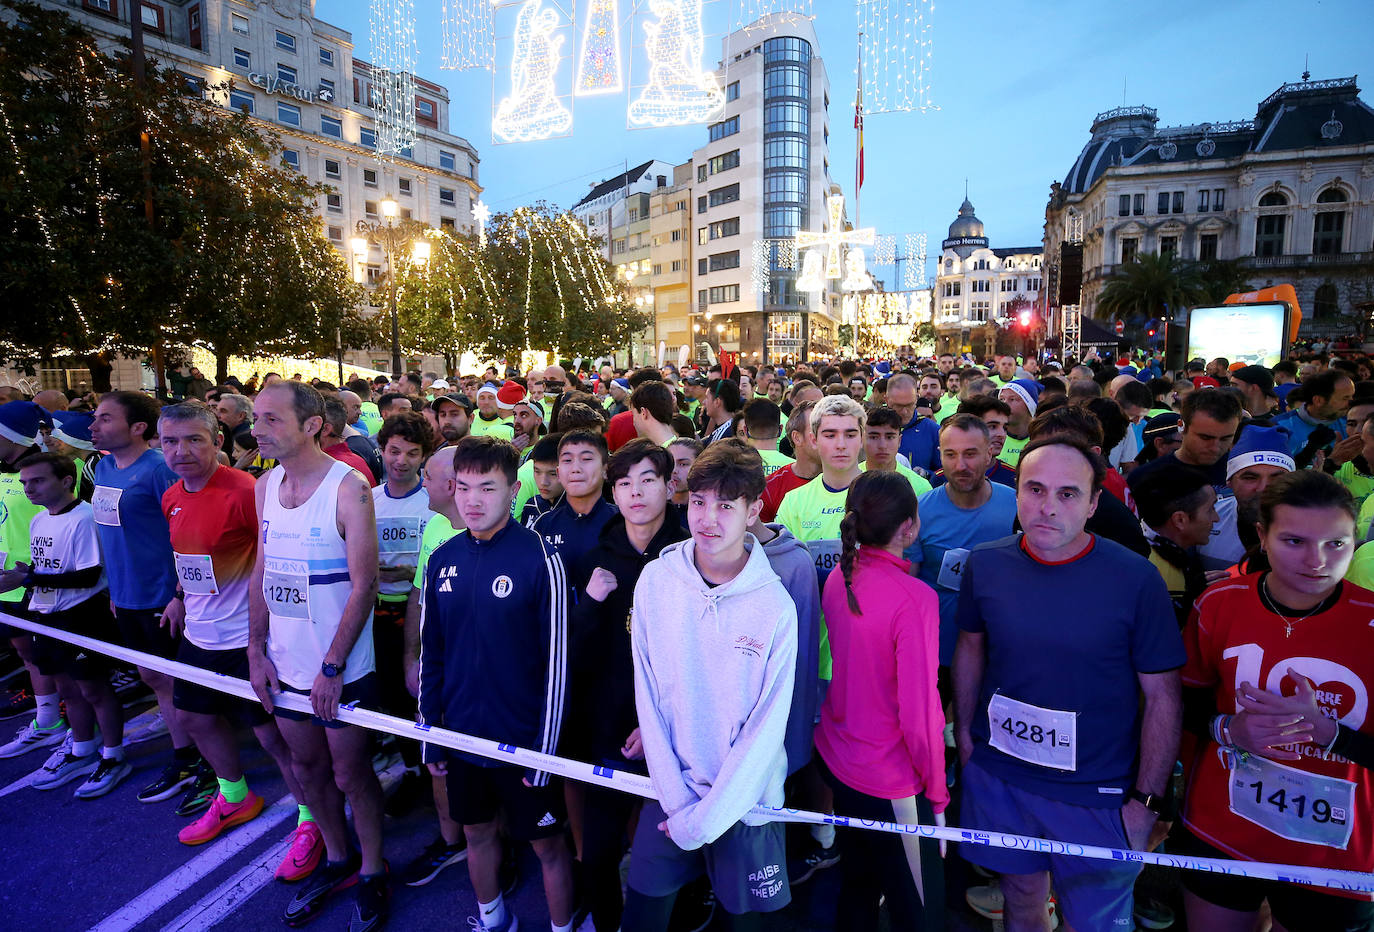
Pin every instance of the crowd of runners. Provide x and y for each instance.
(1103, 603)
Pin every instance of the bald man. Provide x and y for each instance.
(51, 399)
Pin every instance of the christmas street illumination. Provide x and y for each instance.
(469, 41)
(895, 38)
(392, 30)
(599, 65)
(833, 238)
(481, 213)
(749, 12)
(533, 109)
(679, 90)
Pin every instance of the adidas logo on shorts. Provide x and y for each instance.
(547, 820)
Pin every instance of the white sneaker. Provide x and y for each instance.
(62, 766)
(143, 728)
(31, 737)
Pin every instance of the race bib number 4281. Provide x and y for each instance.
(1046, 737)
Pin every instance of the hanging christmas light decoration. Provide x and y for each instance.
(481, 213)
(469, 41)
(679, 90)
(833, 239)
(392, 30)
(749, 12)
(599, 65)
(895, 45)
(914, 269)
(533, 109)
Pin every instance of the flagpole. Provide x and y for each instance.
(859, 131)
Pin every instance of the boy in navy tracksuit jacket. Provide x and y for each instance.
(493, 663)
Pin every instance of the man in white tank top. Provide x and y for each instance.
(310, 633)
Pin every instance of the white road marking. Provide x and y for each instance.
(20, 784)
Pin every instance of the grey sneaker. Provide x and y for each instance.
(62, 767)
(104, 778)
(31, 738)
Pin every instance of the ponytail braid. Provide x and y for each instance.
(849, 542)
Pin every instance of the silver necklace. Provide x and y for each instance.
(1288, 623)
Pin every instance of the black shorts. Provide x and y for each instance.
(1292, 905)
(193, 697)
(141, 629)
(360, 692)
(91, 619)
(476, 794)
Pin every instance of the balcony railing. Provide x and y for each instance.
(1308, 259)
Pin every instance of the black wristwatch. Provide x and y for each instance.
(1149, 800)
(331, 670)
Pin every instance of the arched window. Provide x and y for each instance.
(1326, 302)
(1332, 196)
(1328, 232)
(1274, 199)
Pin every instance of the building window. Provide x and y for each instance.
(675, 236)
(978, 311)
(725, 260)
(1269, 235)
(1218, 198)
(701, 172)
(1032, 284)
(724, 162)
(242, 59)
(1325, 302)
(447, 223)
(326, 57)
(1328, 234)
(726, 195)
(329, 126)
(724, 128)
(403, 186)
(1130, 248)
(1207, 246)
(289, 114)
(1008, 284)
(723, 228)
(980, 265)
(239, 23)
(241, 100)
(1123, 205)
(334, 203)
(370, 208)
(292, 158)
(286, 41)
(447, 196)
(326, 89)
(367, 137)
(1203, 198)
(331, 168)
(99, 6)
(370, 177)
(424, 109)
(701, 266)
(1178, 202)
(701, 202)
(1138, 205)
(1168, 245)
(723, 294)
(732, 91)
(286, 73)
(980, 286)
(447, 161)
(406, 213)
(676, 265)
(657, 269)
(336, 234)
(1162, 203)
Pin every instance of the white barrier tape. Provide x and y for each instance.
(1350, 881)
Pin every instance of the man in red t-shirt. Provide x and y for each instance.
(332, 440)
(794, 475)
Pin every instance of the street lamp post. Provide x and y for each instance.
(392, 234)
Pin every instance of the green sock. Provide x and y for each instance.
(235, 791)
(305, 815)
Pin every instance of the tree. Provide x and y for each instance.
(1152, 286)
(233, 258)
(540, 283)
(1219, 278)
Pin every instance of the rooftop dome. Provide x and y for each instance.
(967, 224)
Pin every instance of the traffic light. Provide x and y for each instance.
(1025, 320)
(1152, 327)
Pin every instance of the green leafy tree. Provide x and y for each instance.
(1151, 286)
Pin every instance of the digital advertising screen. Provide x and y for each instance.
(1254, 334)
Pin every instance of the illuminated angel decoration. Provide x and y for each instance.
(533, 110)
(679, 90)
(856, 276)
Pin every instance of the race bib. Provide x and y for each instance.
(952, 568)
(287, 590)
(43, 598)
(1294, 804)
(826, 554)
(196, 572)
(1045, 737)
(398, 534)
(105, 504)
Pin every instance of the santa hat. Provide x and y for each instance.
(1028, 389)
(623, 383)
(1258, 446)
(510, 395)
(74, 429)
(19, 421)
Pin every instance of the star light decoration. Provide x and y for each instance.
(481, 213)
(838, 260)
(895, 45)
(599, 65)
(392, 29)
(534, 109)
(679, 90)
(469, 41)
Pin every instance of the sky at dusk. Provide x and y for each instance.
(1016, 83)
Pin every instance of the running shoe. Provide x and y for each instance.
(174, 778)
(221, 816)
(327, 878)
(31, 737)
(200, 795)
(144, 727)
(1150, 913)
(800, 870)
(128, 688)
(307, 849)
(988, 902)
(62, 766)
(16, 702)
(510, 925)
(105, 778)
(437, 856)
(374, 898)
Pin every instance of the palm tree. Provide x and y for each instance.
(1218, 278)
(1154, 285)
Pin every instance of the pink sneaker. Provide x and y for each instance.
(307, 848)
(221, 815)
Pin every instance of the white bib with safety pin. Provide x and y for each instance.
(196, 573)
(826, 554)
(286, 587)
(1045, 737)
(105, 504)
(1294, 804)
(952, 568)
(398, 534)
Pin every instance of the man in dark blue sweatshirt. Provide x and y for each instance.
(573, 526)
(493, 663)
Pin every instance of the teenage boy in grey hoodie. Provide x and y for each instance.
(714, 638)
